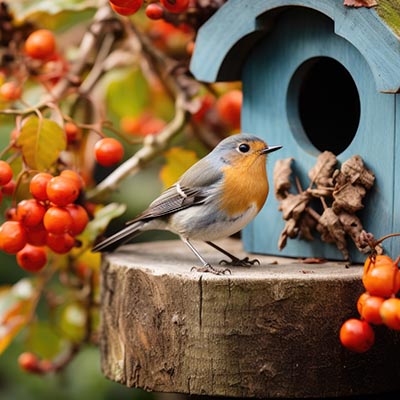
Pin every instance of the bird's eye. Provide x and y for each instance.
(244, 148)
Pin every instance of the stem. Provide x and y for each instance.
(380, 240)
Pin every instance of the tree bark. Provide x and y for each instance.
(266, 331)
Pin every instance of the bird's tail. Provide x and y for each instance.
(119, 238)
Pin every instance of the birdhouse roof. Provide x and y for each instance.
(226, 38)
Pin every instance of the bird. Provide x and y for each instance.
(214, 199)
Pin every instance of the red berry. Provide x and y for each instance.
(62, 191)
(32, 258)
(229, 107)
(73, 132)
(357, 335)
(9, 188)
(10, 91)
(154, 11)
(38, 185)
(5, 173)
(12, 237)
(36, 235)
(130, 7)
(108, 151)
(57, 220)
(29, 362)
(30, 212)
(60, 243)
(80, 218)
(175, 6)
(40, 44)
(390, 313)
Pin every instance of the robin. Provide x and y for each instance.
(215, 198)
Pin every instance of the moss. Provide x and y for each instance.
(389, 11)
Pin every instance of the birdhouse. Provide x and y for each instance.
(317, 75)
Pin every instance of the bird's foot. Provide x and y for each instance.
(237, 262)
(210, 269)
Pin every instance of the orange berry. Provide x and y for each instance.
(12, 237)
(62, 191)
(80, 218)
(38, 185)
(74, 176)
(29, 362)
(40, 44)
(108, 151)
(382, 279)
(370, 310)
(10, 91)
(5, 173)
(361, 301)
(390, 313)
(229, 107)
(60, 243)
(357, 335)
(30, 212)
(57, 220)
(36, 235)
(73, 132)
(378, 260)
(32, 258)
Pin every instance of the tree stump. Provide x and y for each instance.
(266, 331)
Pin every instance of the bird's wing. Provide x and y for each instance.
(192, 189)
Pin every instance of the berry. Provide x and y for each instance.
(32, 258)
(382, 278)
(10, 91)
(126, 7)
(370, 310)
(73, 132)
(154, 11)
(108, 151)
(60, 243)
(74, 176)
(390, 313)
(229, 107)
(5, 173)
(12, 237)
(80, 218)
(9, 188)
(38, 185)
(175, 6)
(30, 212)
(357, 335)
(57, 220)
(29, 362)
(36, 235)
(40, 44)
(62, 191)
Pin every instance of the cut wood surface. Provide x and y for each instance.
(266, 331)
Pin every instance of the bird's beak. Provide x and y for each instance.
(270, 149)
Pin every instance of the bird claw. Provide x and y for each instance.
(210, 269)
(237, 262)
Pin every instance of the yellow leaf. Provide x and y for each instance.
(178, 161)
(41, 141)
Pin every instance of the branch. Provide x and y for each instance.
(153, 146)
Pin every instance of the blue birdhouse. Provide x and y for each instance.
(317, 75)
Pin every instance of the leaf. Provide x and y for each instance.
(41, 141)
(101, 220)
(178, 161)
(15, 310)
(32, 9)
(128, 92)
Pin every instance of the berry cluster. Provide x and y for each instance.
(51, 219)
(378, 305)
(153, 10)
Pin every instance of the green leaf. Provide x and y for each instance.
(32, 9)
(178, 161)
(41, 141)
(102, 219)
(128, 92)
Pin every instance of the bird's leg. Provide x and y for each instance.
(206, 267)
(236, 262)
